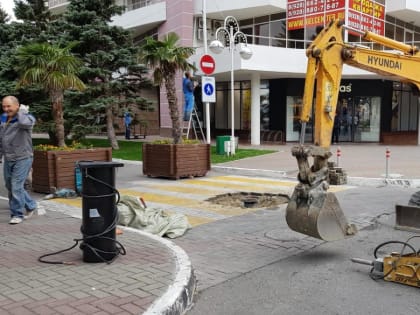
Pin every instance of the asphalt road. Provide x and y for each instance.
(323, 280)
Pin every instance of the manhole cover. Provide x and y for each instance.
(250, 200)
(284, 235)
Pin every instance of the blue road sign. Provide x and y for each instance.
(208, 86)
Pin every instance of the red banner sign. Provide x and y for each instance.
(366, 15)
(362, 14)
(368, 7)
(365, 22)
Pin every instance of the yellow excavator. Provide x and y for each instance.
(312, 210)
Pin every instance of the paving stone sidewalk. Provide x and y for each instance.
(129, 285)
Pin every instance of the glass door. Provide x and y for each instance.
(345, 113)
(366, 119)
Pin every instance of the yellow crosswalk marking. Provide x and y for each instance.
(256, 180)
(187, 195)
(187, 190)
(187, 203)
(194, 220)
(74, 202)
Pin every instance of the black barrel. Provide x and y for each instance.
(99, 211)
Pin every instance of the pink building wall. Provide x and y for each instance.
(180, 18)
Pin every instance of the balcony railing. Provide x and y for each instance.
(55, 3)
(137, 4)
(129, 4)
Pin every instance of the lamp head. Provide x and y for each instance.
(245, 52)
(216, 46)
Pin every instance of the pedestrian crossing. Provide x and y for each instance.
(189, 196)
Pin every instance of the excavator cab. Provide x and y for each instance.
(312, 210)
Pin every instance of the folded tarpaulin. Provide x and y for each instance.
(133, 213)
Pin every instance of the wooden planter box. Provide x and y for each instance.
(176, 160)
(399, 137)
(53, 170)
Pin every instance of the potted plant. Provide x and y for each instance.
(176, 159)
(54, 167)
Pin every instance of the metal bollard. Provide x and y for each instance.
(338, 155)
(387, 157)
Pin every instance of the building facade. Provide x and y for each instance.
(268, 87)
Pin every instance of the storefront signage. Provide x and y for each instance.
(366, 15)
(345, 88)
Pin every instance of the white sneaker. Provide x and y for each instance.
(29, 214)
(40, 210)
(15, 220)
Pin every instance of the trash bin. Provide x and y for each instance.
(99, 211)
(220, 144)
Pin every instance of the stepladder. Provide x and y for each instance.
(193, 127)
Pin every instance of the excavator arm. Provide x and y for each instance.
(312, 210)
(326, 56)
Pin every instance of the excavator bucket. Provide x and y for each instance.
(312, 210)
(322, 218)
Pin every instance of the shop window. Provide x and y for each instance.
(278, 16)
(366, 119)
(389, 31)
(311, 33)
(278, 33)
(296, 39)
(353, 38)
(262, 19)
(404, 108)
(278, 29)
(262, 34)
(245, 106)
(293, 125)
(417, 39)
(246, 22)
(264, 106)
(399, 34)
(248, 31)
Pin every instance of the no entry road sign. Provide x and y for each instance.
(207, 64)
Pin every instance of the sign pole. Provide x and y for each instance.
(207, 65)
(207, 104)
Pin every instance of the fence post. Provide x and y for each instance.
(338, 155)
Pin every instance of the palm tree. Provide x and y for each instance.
(55, 69)
(166, 58)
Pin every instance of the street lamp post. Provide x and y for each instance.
(232, 37)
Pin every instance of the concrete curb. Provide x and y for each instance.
(179, 296)
(364, 181)
(354, 181)
(248, 171)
